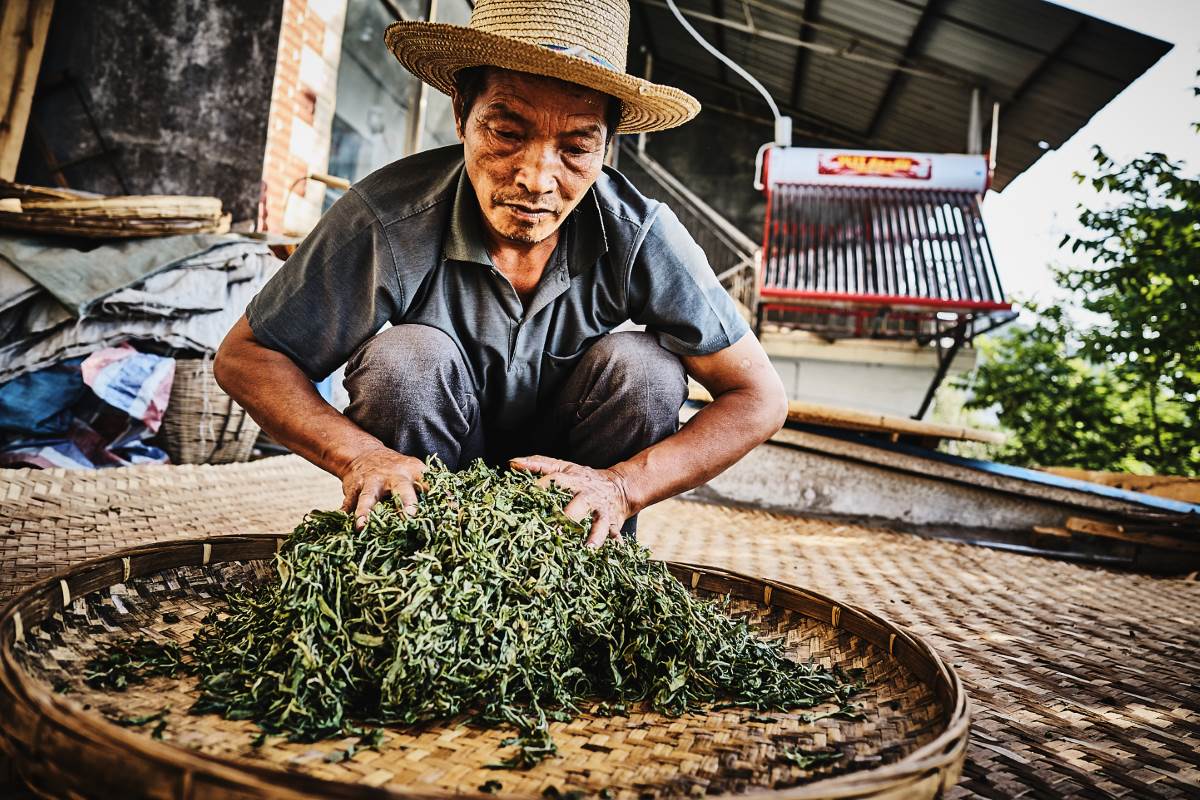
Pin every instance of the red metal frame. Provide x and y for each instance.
(886, 300)
(766, 182)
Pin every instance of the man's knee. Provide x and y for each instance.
(404, 352)
(414, 368)
(410, 388)
(633, 364)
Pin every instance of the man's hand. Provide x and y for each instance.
(599, 494)
(376, 474)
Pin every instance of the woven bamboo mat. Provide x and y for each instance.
(1084, 681)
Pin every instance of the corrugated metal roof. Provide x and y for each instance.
(1049, 67)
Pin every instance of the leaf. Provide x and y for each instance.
(368, 640)
(808, 759)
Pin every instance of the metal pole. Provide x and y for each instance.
(994, 142)
(416, 117)
(975, 125)
(647, 73)
(613, 157)
(945, 358)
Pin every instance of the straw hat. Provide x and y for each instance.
(580, 41)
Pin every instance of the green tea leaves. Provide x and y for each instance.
(483, 605)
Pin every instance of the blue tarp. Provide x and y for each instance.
(38, 403)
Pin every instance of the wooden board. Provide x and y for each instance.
(1108, 530)
(23, 27)
(871, 421)
(1172, 487)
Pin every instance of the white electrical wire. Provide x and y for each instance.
(783, 125)
(724, 59)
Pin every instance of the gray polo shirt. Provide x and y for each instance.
(405, 245)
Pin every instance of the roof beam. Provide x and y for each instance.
(916, 43)
(962, 79)
(855, 40)
(809, 15)
(1040, 70)
(719, 12)
(1026, 46)
(831, 139)
(647, 32)
(818, 127)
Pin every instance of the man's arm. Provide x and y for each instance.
(279, 397)
(749, 405)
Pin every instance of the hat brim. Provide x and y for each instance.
(435, 51)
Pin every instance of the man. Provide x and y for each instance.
(503, 266)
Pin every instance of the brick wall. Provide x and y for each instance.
(301, 114)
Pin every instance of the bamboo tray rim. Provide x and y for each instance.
(936, 763)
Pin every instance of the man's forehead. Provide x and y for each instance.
(524, 88)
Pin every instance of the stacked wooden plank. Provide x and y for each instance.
(852, 419)
(1172, 487)
(37, 209)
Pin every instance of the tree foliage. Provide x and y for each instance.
(1120, 393)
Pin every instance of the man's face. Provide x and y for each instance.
(533, 147)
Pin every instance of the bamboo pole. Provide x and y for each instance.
(23, 28)
(855, 420)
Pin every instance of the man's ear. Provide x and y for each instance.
(456, 107)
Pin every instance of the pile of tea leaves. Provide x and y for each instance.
(483, 603)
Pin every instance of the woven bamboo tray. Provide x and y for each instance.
(40, 209)
(911, 743)
(202, 424)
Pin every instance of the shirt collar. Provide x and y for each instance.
(463, 240)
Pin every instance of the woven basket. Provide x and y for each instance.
(41, 209)
(202, 424)
(910, 745)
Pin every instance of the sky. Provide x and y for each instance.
(1028, 219)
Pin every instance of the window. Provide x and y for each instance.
(375, 94)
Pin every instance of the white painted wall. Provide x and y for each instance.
(884, 376)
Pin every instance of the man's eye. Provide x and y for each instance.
(508, 136)
(578, 151)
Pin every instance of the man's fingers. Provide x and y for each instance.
(600, 528)
(541, 464)
(560, 479)
(407, 494)
(611, 525)
(368, 496)
(579, 508)
(348, 498)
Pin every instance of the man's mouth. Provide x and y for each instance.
(529, 212)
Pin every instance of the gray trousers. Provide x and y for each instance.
(410, 388)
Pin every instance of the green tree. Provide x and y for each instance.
(1058, 407)
(1120, 393)
(1144, 288)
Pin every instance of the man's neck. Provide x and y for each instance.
(521, 262)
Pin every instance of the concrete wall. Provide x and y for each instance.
(805, 473)
(891, 377)
(714, 156)
(180, 88)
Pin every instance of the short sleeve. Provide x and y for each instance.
(673, 292)
(332, 294)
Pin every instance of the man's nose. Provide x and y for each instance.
(537, 173)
